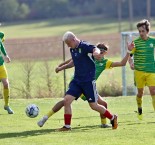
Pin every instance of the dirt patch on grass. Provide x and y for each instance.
(52, 47)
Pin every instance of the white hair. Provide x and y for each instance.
(68, 35)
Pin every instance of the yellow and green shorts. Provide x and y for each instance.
(3, 72)
(143, 79)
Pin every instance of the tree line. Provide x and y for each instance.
(15, 10)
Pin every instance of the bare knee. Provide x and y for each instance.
(102, 102)
(5, 85)
(152, 90)
(93, 106)
(68, 100)
(140, 93)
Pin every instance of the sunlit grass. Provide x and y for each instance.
(18, 129)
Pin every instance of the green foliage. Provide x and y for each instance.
(50, 8)
(18, 129)
(11, 10)
(111, 88)
(30, 79)
(8, 9)
(42, 9)
(23, 11)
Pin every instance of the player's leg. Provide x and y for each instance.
(6, 95)
(92, 97)
(140, 81)
(55, 109)
(152, 92)
(102, 102)
(73, 93)
(68, 99)
(139, 100)
(6, 88)
(102, 110)
(151, 84)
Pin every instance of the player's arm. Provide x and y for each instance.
(2, 36)
(65, 62)
(131, 62)
(126, 57)
(122, 62)
(97, 53)
(6, 57)
(68, 65)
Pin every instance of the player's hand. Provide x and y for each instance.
(57, 69)
(130, 46)
(7, 59)
(132, 66)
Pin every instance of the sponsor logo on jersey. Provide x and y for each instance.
(100, 64)
(151, 45)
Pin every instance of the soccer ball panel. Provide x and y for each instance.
(32, 110)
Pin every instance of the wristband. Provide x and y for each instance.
(128, 51)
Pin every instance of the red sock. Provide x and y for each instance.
(108, 114)
(67, 118)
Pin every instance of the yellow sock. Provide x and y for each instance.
(50, 113)
(139, 102)
(153, 101)
(6, 93)
(103, 121)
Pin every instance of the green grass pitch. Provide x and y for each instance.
(18, 129)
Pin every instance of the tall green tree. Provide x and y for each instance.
(50, 8)
(11, 10)
(8, 9)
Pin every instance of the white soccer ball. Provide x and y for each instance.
(32, 110)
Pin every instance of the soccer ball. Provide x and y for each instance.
(32, 110)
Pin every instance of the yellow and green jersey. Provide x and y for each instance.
(2, 48)
(144, 55)
(101, 65)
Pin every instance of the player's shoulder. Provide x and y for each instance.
(1, 35)
(86, 43)
(152, 38)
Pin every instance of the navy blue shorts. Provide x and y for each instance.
(87, 88)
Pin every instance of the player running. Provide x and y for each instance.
(101, 65)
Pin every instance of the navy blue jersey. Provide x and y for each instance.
(83, 62)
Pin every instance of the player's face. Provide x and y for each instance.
(143, 32)
(71, 43)
(103, 52)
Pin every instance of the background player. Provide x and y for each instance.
(143, 63)
(3, 74)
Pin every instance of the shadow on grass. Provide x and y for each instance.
(86, 128)
(136, 123)
(25, 133)
(82, 117)
(45, 131)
